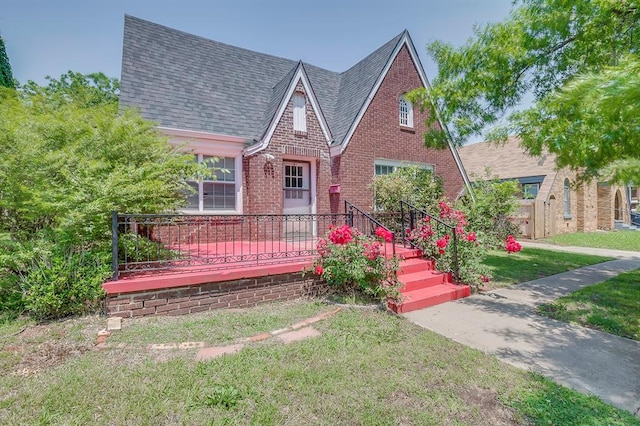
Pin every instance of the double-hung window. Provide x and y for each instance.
(386, 167)
(217, 190)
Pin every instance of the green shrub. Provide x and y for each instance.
(417, 186)
(63, 283)
(136, 248)
(67, 159)
(495, 203)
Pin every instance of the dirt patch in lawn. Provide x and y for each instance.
(39, 347)
(486, 400)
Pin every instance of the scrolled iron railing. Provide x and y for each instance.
(367, 224)
(410, 217)
(182, 242)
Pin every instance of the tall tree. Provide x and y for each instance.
(564, 52)
(6, 76)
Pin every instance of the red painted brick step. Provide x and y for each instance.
(422, 286)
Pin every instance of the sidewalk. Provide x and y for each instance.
(620, 254)
(503, 322)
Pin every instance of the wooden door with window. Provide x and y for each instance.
(297, 200)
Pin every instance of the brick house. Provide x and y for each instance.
(552, 201)
(290, 137)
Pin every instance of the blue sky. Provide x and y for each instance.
(50, 37)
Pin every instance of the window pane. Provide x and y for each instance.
(219, 196)
(217, 166)
(530, 190)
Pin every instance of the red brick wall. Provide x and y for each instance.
(263, 180)
(206, 297)
(379, 135)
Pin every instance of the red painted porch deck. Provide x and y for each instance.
(225, 261)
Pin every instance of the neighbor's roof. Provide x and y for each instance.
(507, 161)
(188, 82)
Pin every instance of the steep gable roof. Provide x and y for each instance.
(189, 82)
(356, 84)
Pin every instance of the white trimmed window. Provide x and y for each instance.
(386, 167)
(406, 112)
(217, 191)
(299, 113)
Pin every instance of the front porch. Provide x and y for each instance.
(179, 264)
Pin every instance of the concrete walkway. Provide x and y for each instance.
(503, 322)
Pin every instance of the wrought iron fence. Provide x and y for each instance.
(368, 225)
(160, 242)
(411, 216)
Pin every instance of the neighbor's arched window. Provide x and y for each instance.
(567, 198)
(406, 112)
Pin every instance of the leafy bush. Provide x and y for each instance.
(495, 203)
(67, 159)
(65, 283)
(136, 248)
(353, 263)
(417, 186)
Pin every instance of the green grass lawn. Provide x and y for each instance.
(533, 263)
(617, 240)
(367, 367)
(612, 306)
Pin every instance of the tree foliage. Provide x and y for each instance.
(67, 159)
(561, 51)
(593, 123)
(6, 76)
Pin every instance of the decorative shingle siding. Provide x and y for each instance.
(379, 135)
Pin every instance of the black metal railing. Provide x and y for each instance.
(411, 217)
(368, 225)
(160, 242)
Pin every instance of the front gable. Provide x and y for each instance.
(298, 84)
(379, 137)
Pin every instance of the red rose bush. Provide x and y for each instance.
(354, 263)
(437, 241)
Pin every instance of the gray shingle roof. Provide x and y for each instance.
(188, 82)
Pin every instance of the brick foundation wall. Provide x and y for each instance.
(380, 136)
(205, 297)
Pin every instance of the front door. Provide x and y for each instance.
(297, 199)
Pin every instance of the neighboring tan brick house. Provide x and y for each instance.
(552, 201)
(292, 137)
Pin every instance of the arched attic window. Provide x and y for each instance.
(299, 113)
(406, 111)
